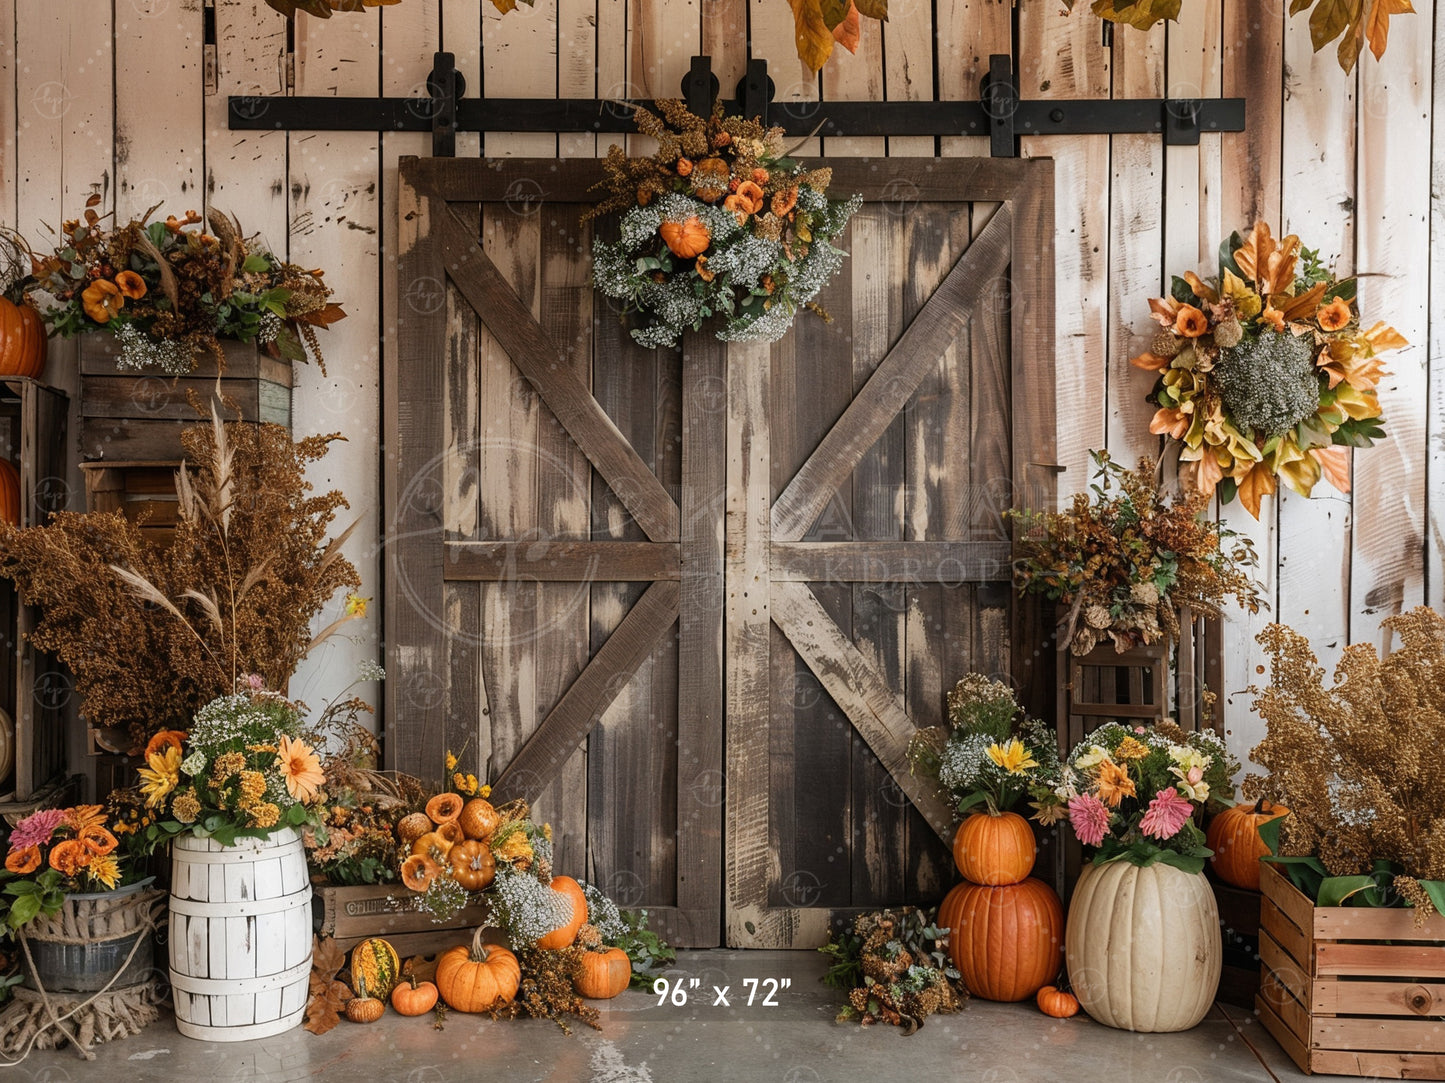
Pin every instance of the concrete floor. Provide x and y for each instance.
(795, 1041)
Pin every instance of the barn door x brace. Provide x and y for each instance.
(1000, 113)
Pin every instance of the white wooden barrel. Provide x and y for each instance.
(240, 938)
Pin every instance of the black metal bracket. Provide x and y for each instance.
(999, 114)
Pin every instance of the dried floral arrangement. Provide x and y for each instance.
(1138, 793)
(991, 752)
(718, 221)
(59, 851)
(1266, 371)
(168, 292)
(1359, 761)
(243, 769)
(235, 593)
(1355, 25)
(1123, 560)
(894, 966)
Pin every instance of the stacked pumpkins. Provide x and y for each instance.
(1006, 928)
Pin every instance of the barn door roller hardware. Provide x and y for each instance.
(1001, 113)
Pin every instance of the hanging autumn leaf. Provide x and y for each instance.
(322, 9)
(849, 33)
(819, 24)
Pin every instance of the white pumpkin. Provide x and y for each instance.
(1143, 946)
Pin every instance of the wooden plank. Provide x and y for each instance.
(894, 380)
(967, 33)
(951, 563)
(1386, 1035)
(1281, 1033)
(1368, 923)
(1064, 57)
(856, 77)
(1282, 1001)
(1392, 247)
(9, 100)
(1291, 903)
(909, 75)
(578, 67)
(461, 35)
(561, 562)
(1379, 960)
(1288, 973)
(1136, 246)
(770, 37)
(1288, 936)
(856, 687)
(519, 58)
(159, 153)
(1408, 999)
(725, 39)
(537, 356)
(1370, 1065)
(568, 722)
(700, 694)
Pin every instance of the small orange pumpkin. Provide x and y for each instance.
(601, 975)
(994, 849)
(472, 864)
(1233, 835)
(479, 977)
(432, 845)
(1057, 1003)
(564, 935)
(363, 1007)
(414, 997)
(478, 818)
(413, 826)
(418, 871)
(444, 807)
(687, 238)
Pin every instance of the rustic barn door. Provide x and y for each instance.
(692, 604)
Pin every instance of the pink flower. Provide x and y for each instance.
(36, 829)
(1166, 814)
(255, 681)
(1138, 729)
(1089, 817)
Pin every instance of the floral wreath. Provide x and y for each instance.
(1265, 372)
(719, 221)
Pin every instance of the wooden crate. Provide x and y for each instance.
(34, 690)
(139, 416)
(1239, 933)
(1351, 990)
(351, 914)
(145, 492)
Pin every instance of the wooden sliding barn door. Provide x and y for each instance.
(691, 604)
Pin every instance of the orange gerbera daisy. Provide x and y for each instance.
(70, 856)
(1334, 315)
(23, 861)
(131, 284)
(83, 817)
(1114, 783)
(1190, 322)
(102, 300)
(300, 767)
(163, 740)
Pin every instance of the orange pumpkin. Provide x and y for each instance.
(1007, 942)
(601, 975)
(472, 864)
(479, 977)
(1057, 1003)
(994, 849)
(687, 238)
(444, 807)
(1233, 835)
(478, 818)
(413, 826)
(564, 935)
(414, 997)
(22, 340)
(432, 845)
(9, 493)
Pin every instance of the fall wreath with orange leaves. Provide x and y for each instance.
(1266, 372)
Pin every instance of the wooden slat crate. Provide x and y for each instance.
(351, 914)
(144, 491)
(1351, 990)
(1239, 929)
(128, 415)
(33, 688)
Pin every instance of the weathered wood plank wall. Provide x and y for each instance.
(113, 101)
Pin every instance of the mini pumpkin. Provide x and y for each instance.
(478, 818)
(414, 997)
(444, 807)
(687, 238)
(1056, 1002)
(363, 1007)
(432, 845)
(1233, 835)
(601, 975)
(413, 826)
(418, 872)
(478, 977)
(563, 936)
(472, 864)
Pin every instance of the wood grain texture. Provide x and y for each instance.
(532, 350)
(159, 153)
(894, 380)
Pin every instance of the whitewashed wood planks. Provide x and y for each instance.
(240, 936)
